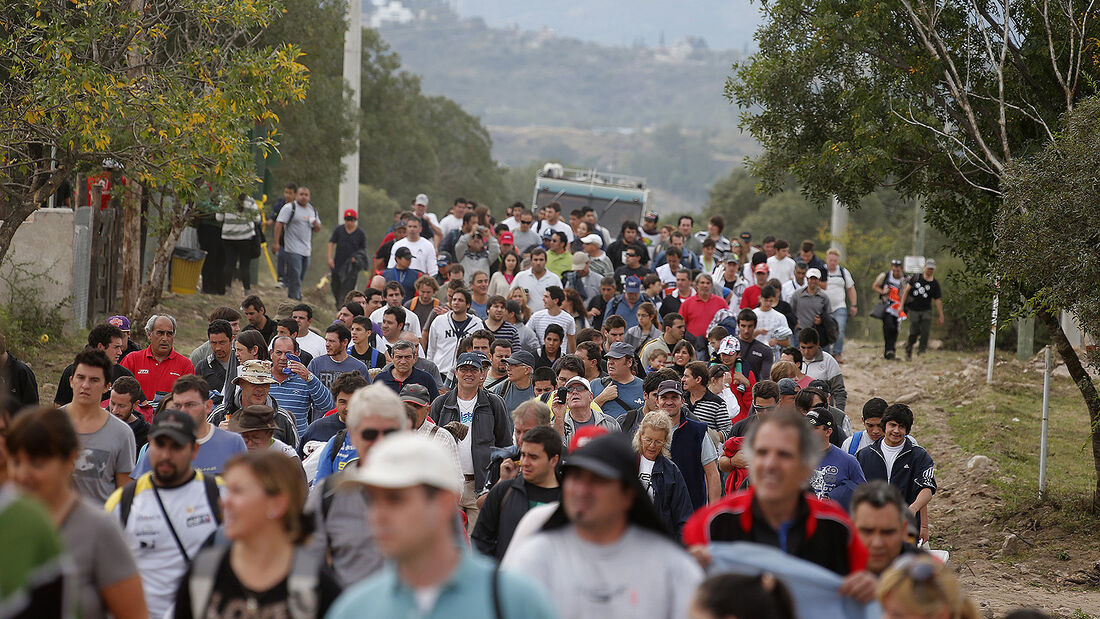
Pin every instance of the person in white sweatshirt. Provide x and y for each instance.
(447, 330)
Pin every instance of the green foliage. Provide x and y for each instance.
(376, 210)
(27, 321)
(682, 162)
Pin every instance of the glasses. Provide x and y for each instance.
(576, 389)
(371, 434)
(526, 222)
(765, 409)
(653, 442)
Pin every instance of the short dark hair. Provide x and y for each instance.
(289, 324)
(717, 333)
(556, 330)
(547, 437)
(342, 332)
(794, 352)
(291, 186)
(43, 432)
(571, 363)
(484, 334)
(538, 251)
(874, 408)
(768, 239)
(348, 382)
(496, 299)
(879, 493)
(499, 342)
(709, 242)
(587, 334)
(353, 294)
(513, 307)
(363, 321)
(370, 293)
(303, 307)
(653, 380)
(561, 236)
(544, 373)
(398, 314)
(219, 326)
(674, 252)
(900, 414)
(809, 335)
(394, 286)
(807, 245)
(718, 222)
(670, 318)
(747, 315)
(781, 244)
(225, 313)
(355, 309)
(609, 280)
(254, 302)
(191, 382)
(698, 370)
(614, 321)
(804, 400)
(128, 385)
(628, 225)
(465, 292)
(556, 293)
(736, 595)
(94, 358)
(766, 389)
(767, 292)
(101, 335)
(591, 351)
(687, 217)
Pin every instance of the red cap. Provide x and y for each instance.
(761, 268)
(506, 238)
(583, 435)
(351, 214)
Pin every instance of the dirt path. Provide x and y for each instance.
(961, 512)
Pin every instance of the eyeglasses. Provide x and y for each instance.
(371, 434)
(576, 389)
(765, 409)
(655, 442)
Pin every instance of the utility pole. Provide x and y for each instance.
(918, 227)
(838, 224)
(353, 44)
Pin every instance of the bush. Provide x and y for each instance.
(26, 319)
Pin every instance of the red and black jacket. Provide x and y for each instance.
(821, 532)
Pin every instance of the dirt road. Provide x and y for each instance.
(961, 512)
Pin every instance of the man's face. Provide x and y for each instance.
(649, 226)
(345, 317)
(894, 433)
(683, 284)
(517, 373)
(776, 468)
(630, 235)
(400, 231)
(673, 262)
(496, 312)
(403, 261)
(577, 397)
(279, 350)
(194, 404)
(831, 260)
(525, 221)
(690, 380)
(170, 461)
(399, 517)
(607, 292)
(591, 501)
(614, 334)
(394, 297)
(767, 303)
(761, 278)
(162, 338)
(122, 405)
(403, 360)
(763, 406)
(882, 531)
(369, 432)
(341, 400)
(812, 284)
(633, 259)
(253, 393)
(783, 253)
(543, 386)
(538, 263)
(288, 194)
(799, 275)
(806, 256)
(257, 440)
(221, 346)
(684, 227)
(303, 320)
(618, 367)
(896, 270)
(374, 303)
(556, 245)
(114, 349)
(671, 402)
(928, 272)
(769, 249)
(703, 287)
(88, 384)
(874, 428)
(481, 284)
(412, 229)
(390, 327)
(823, 433)
(303, 196)
(809, 351)
(676, 329)
(745, 329)
(458, 303)
(469, 376)
(552, 342)
(253, 315)
(533, 462)
(334, 347)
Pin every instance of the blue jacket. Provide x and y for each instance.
(670, 495)
(407, 278)
(686, 443)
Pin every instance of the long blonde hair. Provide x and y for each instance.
(655, 420)
(924, 586)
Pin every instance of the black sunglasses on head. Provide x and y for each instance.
(370, 434)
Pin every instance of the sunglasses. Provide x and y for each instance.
(576, 389)
(370, 434)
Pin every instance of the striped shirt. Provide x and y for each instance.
(711, 410)
(307, 401)
(542, 319)
(506, 331)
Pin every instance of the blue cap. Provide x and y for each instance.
(521, 357)
(485, 360)
(632, 284)
(469, 358)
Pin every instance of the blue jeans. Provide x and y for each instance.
(295, 270)
(280, 265)
(840, 314)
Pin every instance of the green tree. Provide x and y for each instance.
(934, 98)
(735, 196)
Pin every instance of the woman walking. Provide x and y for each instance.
(239, 239)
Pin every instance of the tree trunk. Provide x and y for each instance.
(131, 244)
(14, 213)
(150, 292)
(1084, 383)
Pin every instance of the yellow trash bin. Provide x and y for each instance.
(186, 268)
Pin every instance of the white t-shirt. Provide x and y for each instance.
(512, 223)
(783, 270)
(645, 475)
(839, 282)
(465, 446)
(313, 344)
(412, 321)
(667, 275)
(561, 226)
(449, 223)
(542, 319)
(535, 286)
(774, 322)
(423, 255)
(891, 454)
(791, 287)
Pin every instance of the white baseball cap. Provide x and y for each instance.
(406, 460)
(592, 238)
(815, 273)
(729, 345)
(579, 380)
(421, 198)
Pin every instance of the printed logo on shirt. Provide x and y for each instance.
(143, 371)
(198, 521)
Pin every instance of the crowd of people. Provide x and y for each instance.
(498, 431)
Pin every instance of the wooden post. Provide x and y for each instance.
(130, 263)
(1025, 338)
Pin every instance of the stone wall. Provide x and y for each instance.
(42, 257)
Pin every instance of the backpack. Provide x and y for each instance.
(853, 447)
(301, 583)
(210, 484)
(828, 329)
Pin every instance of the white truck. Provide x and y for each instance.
(615, 197)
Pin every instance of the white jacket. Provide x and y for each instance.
(443, 339)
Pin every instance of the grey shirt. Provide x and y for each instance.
(99, 554)
(513, 395)
(345, 532)
(103, 454)
(807, 306)
(297, 228)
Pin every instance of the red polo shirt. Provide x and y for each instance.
(156, 376)
(698, 313)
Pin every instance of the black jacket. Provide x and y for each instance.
(913, 469)
(757, 357)
(616, 250)
(504, 507)
(670, 495)
(491, 426)
(18, 380)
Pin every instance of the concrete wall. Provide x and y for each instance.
(42, 256)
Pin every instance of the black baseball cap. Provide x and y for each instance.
(403, 252)
(176, 425)
(820, 418)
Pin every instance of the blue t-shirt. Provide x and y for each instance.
(417, 377)
(837, 476)
(631, 393)
(481, 310)
(326, 466)
(321, 431)
(221, 446)
(326, 370)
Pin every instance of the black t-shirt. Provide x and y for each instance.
(669, 304)
(346, 244)
(383, 253)
(141, 431)
(624, 272)
(64, 393)
(537, 495)
(230, 598)
(921, 293)
(268, 331)
(597, 302)
(365, 357)
(741, 428)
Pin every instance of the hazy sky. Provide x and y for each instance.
(725, 24)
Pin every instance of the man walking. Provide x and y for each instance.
(295, 225)
(447, 331)
(329, 367)
(890, 286)
(536, 279)
(107, 445)
(344, 257)
(158, 366)
(840, 287)
(552, 314)
(922, 292)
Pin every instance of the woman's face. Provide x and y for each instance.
(645, 319)
(243, 352)
(518, 294)
(652, 442)
(893, 608)
(510, 263)
(45, 478)
(247, 506)
(681, 357)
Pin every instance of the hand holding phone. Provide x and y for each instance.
(290, 357)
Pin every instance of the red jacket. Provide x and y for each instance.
(821, 532)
